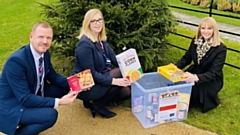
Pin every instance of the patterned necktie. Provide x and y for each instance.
(108, 61)
(101, 46)
(40, 66)
(40, 70)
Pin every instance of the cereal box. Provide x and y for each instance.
(129, 65)
(171, 72)
(81, 80)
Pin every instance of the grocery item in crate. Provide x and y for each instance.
(182, 107)
(160, 103)
(129, 65)
(137, 103)
(168, 105)
(171, 72)
(81, 80)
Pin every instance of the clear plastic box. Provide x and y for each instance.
(157, 100)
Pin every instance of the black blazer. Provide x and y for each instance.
(89, 56)
(209, 72)
(18, 84)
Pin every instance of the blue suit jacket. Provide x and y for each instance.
(90, 56)
(18, 84)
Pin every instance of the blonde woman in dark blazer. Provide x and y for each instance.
(208, 54)
(93, 52)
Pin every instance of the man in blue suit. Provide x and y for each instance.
(28, 96)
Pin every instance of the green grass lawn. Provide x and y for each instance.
(18, 17)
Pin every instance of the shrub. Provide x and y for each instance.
(236, 7)
(224, 5)
(233, 1)
(215, 2)
(205, 3)
(194, 2)
(139, 24)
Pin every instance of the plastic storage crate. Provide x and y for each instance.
(157, 100)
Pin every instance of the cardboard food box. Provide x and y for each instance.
(171, 72)
(129, 65)
(81, 80)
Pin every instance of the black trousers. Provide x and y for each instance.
(102, 94)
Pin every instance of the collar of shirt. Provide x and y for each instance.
(36, 57)
(35, 54)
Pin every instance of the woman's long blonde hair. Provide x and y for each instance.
(85, 30)
(213, 24)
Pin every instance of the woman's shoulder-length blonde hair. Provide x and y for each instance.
(210, 22)
(86, 30)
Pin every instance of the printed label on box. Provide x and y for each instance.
(81, 80)
(129, 65)
(168, 105)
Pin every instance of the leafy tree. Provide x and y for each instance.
(139, 24)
